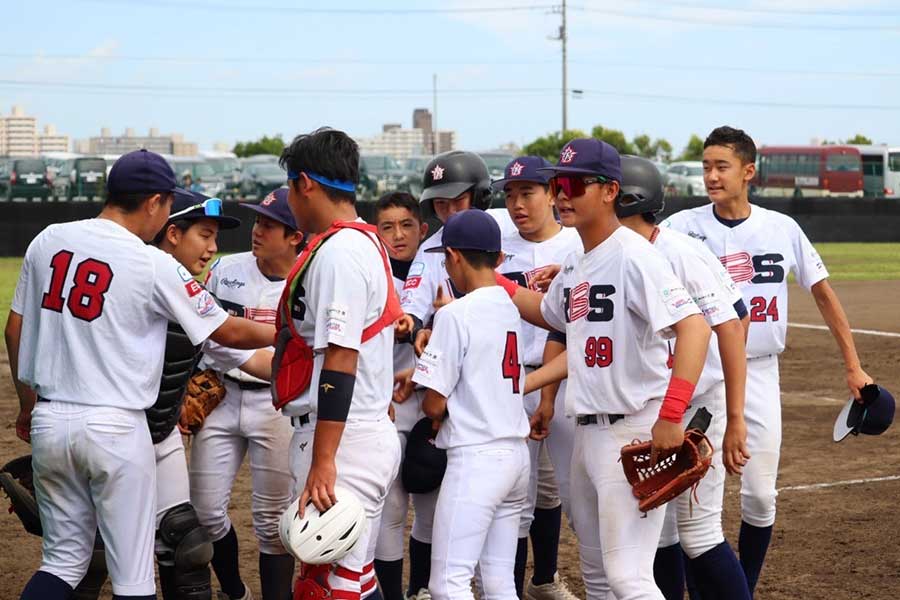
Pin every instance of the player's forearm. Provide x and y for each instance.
(434, 405)
(326, 440)
(692, 335)
(528, 302)
(551, 373)
(259, 365)
(730, 341)
(244, 334)
(13, 334)
(551, 351)
(833, 313)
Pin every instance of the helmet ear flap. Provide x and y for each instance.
(481, 198)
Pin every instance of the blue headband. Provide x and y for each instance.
(344, 186)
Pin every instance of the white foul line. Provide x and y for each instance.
(860, 331)
(819, 486)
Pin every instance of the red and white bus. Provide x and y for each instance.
(800, 171)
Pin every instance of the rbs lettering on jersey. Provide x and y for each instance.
(592, 301)
(756, 269)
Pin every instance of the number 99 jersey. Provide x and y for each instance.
(758, 253)
(616, 304)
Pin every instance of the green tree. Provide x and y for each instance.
(859, 139)
(264, 145)
(614, 138)
(659, 148)
(549, 146)
(693, 150)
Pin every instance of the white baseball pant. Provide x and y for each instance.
(763, 416)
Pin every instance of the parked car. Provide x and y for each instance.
(384, 169)
(204, 179)
(82, 179)
(229, 168)
(496, 163)
(685, 179)
(258, 178)
(27, 179)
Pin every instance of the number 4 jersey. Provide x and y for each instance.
(616, 304)
(758, 254)
(95, 302)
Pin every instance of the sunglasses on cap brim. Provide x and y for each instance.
(212, 207)
(574, 186)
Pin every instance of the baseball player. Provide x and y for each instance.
(249, 284)
(616, 301)
(453, 181)
(759, 247)
(473, 374)
(341, 308)
(92, 302)
(698, 524)
(399, 222)
(538, 241)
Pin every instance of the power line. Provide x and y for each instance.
(824, 12)
(190, 4)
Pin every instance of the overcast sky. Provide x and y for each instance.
(784, 70)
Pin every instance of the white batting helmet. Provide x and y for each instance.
(322, 538)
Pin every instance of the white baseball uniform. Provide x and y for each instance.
(245, 423)
(473, 359)
(758, 254)
(617, 304)
(523, 260)
(390, 543)
(95, 302)
(343, 291)
(699, 523)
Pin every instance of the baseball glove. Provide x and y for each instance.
(203, 394)
(17, 480)
(654, 485)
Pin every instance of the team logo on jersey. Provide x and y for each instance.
(437, 173)
(763, 268)
(232, 283)
(578, 301)
(516, 169)
(739, 266)
(193, 288)
(567, 156)
(205, 303)
(184, 274)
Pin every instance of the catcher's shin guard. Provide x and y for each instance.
(187, 548)
(312, 584)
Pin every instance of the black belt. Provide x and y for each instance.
(301, 420)
(39, 399)
(248, 385)
(592, 419)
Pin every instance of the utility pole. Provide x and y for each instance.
(434, 130)
(563, 37)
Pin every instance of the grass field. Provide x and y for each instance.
(846, 262)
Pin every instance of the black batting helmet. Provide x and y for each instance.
(423, 464)
(452, 174)
(642, 190)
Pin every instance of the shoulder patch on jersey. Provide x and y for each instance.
(428, 362)
(412, 282)
(336, 319)
(184, 274)
(193, 288)
(417, 268)
(205, 303)
(675, 299)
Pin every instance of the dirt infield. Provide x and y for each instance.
(835, 542)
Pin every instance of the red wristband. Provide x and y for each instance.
(678, 396)
(506, 283)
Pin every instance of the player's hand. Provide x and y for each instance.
(23, 426)
(441, 300)
(319, 486)
(856, 380)
(667, 438)
(540, 421)
(403, 386)
(421, 341)
(544, 278)
(734, 446)
(403, 326)
(435, 426)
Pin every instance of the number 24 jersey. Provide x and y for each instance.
(616, 304)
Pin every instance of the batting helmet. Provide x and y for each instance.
(323, 538)
(452, 174)
(423, 463)
(642, 190)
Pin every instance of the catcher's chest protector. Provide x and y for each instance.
(293, 362)
(179, 363)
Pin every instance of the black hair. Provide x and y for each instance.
(129, 202)
(326, 152)
(399, 200)
(736, 139)
(479, 259)
(180, 224)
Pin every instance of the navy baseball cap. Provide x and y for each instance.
(140, 171)
(471, 229)
(192, 206)
(872, 416)
(275, 206)
(525, 168)
(588, 156)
